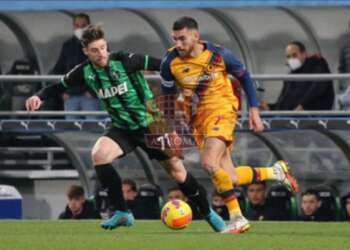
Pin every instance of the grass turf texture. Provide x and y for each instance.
(85, 235)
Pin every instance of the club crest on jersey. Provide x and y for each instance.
(115, 75)
(92, 77)
(186, 70)
(112, 91)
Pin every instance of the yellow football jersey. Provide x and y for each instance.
(203, 81)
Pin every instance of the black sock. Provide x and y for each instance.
(110, 180)
(196, 193)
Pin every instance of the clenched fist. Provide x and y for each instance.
(33, 103)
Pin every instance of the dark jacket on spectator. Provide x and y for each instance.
(268, 211)
(312, 95)
(318, 216)
(344, 56)
(88, 212)
(70, 56)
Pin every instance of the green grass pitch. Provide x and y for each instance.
(86, 235)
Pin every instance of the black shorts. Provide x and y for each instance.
(128, 140)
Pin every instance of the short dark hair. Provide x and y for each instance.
(299, 44)
(75, 192)
(185, 22)
(174, 188)
(262, 183)
(92, 33)
(131, 183)
(311, 191)
(82, 15)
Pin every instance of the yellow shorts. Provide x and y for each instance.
(216, 124)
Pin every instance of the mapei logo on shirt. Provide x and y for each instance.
(113, 91)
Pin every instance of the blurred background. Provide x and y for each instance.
(42, 164)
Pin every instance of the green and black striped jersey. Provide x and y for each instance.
(120, 87)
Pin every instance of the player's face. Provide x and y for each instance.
(128, 193)
(185, 40)
(256, 194)
(176, 194)
(76, 204)
(97, 52)
(309, 204)
(217, 201)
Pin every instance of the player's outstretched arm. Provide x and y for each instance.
(34, 102)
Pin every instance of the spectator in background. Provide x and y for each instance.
(305, 95)
(143, 201)
(261, 208)
(78, 97)
(346, 207)
(78, 207)
(130, 193)
(218, 204)
(176, 193)
(310, 206)
(343, 99)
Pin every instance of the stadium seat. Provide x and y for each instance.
(19, 92)
(148, 202)
(344, 214)
(281, 197)
(281, 200)
(331, 204)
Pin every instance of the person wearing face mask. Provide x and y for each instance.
(77, 98)
(306, 94)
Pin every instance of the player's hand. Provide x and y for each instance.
(299, 108)
(33, 103)
(255, 122)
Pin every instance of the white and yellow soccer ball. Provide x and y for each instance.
(176, 214)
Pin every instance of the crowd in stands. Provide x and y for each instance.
(259, 202)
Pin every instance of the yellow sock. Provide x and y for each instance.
(232, 205)
(246, 174)
(223, 184)
(265, 173)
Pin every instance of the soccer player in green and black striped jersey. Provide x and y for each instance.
(117, 80)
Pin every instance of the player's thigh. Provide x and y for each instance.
(105, 151)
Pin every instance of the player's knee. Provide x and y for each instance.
(177, 169)
(209, 164)
(179, 176)
(100, 156)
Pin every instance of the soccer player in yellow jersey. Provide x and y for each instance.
(200, 70)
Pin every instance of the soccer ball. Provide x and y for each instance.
(176, 214)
